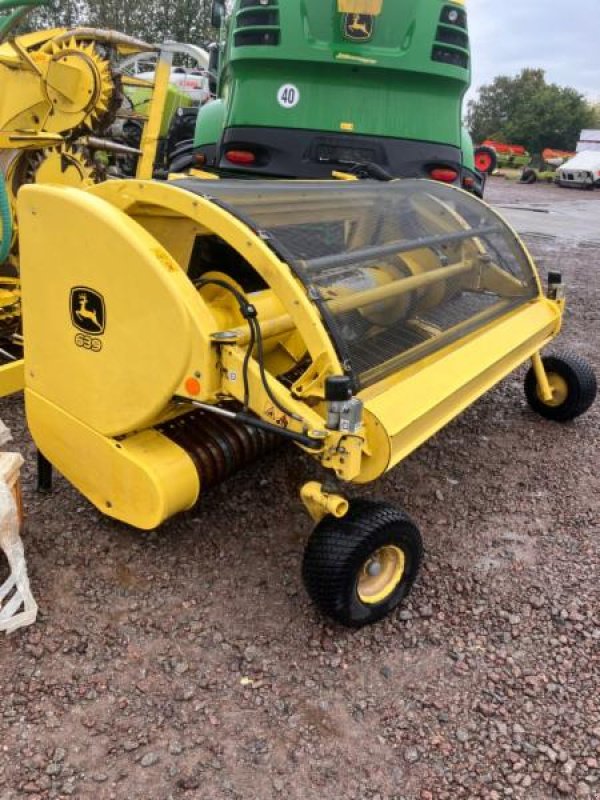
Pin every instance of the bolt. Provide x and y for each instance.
(374, 569)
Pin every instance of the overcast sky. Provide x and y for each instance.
(563, 40)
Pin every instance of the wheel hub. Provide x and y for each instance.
(381, 574)
(560, 390)
(374, 569)
(483, 162)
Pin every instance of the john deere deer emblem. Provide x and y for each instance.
(87, 310)
(358, 27)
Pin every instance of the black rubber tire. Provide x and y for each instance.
(581, 382)
(491, 154)
(182, 160)
(338, 549)
(528, 175)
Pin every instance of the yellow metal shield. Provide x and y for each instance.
(370, 7)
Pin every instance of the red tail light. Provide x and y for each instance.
(240, 157)
(444, 174)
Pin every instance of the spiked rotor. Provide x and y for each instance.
(79, 86)
(63, 165)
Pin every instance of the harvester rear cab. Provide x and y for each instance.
(309, 87)
(174, 330)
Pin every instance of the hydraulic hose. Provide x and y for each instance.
(6, 221)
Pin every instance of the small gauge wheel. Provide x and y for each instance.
(358, 569)
(573, 383)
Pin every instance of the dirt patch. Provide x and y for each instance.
(189, 663)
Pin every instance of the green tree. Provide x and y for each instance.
(67, 14)
(596, 112)
(530, 111)
(156, 21)
(152, 20)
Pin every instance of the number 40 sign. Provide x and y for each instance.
(288, 95)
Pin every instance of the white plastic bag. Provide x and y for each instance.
(17, 606)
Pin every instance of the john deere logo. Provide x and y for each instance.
(358, 27)
(87, 310)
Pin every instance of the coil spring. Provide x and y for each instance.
(218, 446)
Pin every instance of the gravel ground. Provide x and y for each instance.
(189, 663)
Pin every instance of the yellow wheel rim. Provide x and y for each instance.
(560, 390)
(381, 574)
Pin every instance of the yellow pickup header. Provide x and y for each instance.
(372, 7)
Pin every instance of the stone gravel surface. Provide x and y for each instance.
(189, 663)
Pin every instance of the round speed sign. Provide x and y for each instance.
(288, 95)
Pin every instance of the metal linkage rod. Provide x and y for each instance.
(367, 254)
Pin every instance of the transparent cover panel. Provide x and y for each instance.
(397, 269)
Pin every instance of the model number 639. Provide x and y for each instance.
(88, 342)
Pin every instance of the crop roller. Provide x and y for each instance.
(175, 330)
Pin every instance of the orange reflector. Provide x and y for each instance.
(200, 158)
(469, 182)
(240, 157)
(443, 174)
(192, 386)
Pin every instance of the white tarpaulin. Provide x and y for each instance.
(586, 160)
(17, 606)
(588, 141)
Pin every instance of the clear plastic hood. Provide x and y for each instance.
(396, 269)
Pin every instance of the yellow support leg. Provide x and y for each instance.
(151, 135)
(542, 378)
(319, 503)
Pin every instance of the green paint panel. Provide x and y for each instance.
(333, 96)
(404, 77)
